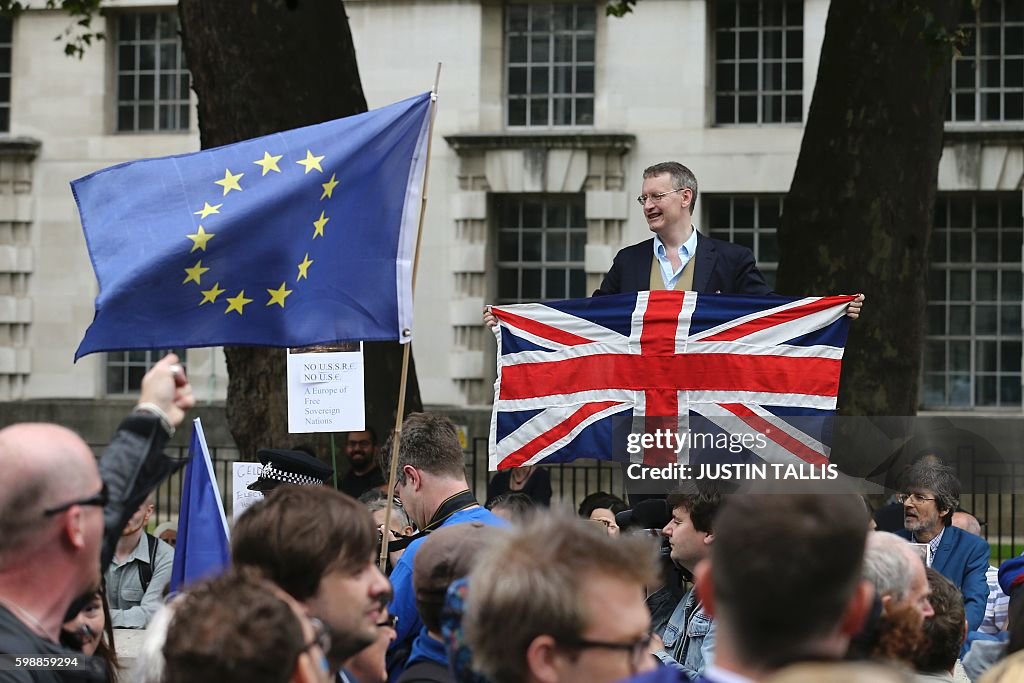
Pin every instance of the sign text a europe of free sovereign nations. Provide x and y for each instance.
(325, 392)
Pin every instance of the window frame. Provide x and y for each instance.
(179, 104)
(979, 34)
(574, 206)
(573, 96)
(758, 232)
(790, 67)
(953, 239)
(6, 43)
(123, 362)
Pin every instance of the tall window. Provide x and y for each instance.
(758, 61)
(125, 369)
(972, 356)
(550, 56)
(5, 74)
(988, 76)
(540, 242)
(152, 79)
(750, 221)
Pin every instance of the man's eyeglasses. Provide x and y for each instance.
(642, 199)
(321, 636)
(607, 523)
(914, 498)
(637, 649)
(97, 500)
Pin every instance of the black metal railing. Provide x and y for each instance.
(992, 489)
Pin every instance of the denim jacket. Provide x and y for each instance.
(689, 638)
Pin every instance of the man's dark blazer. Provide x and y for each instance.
(963, 559)
(720, 268)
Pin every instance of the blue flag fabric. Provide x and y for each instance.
(203, 549)
(292, 239)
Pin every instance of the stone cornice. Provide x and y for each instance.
(20, 147)
(988, 136)
(466, 142)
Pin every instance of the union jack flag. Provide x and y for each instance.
(567, 368)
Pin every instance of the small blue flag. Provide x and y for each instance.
(292, 239)
(203, 549)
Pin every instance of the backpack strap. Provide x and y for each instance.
(146, 570)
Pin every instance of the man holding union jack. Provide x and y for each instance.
(678, 257)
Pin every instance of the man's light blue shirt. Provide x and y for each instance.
(686, 252)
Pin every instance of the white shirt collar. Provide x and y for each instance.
(690, 245)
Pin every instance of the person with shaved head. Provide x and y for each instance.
(61, 515)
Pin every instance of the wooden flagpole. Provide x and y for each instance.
(397, 440)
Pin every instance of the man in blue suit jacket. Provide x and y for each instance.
(668, 198)
(932, 494)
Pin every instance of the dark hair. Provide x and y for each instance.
(944, 632)
(369, 430)
(518, 504)
(757, 538)
(929, 474)
(1015, 620)
(681, 177)
(232, 628)
(105, 649)
(702, 507)
(601, 499)
(429, 443)
(298, 534)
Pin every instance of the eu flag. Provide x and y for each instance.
(202, 549)
(292, 239)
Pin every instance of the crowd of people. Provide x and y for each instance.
(705, 585)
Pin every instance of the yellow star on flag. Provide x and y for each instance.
(311, 162)
(304, 268)
(269, 163)
(207, 210)
(230, 181)
(319, 225)
(200, 239)
(237, 303)
(329, 187)
(277, 296)
(210, 295)
(194, 273)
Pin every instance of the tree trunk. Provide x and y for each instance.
(260, 67)
(859, 213)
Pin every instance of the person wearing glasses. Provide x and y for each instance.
(558, 600)
(678, 257)
(240, 628)
(61, 516)
(931, 496)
